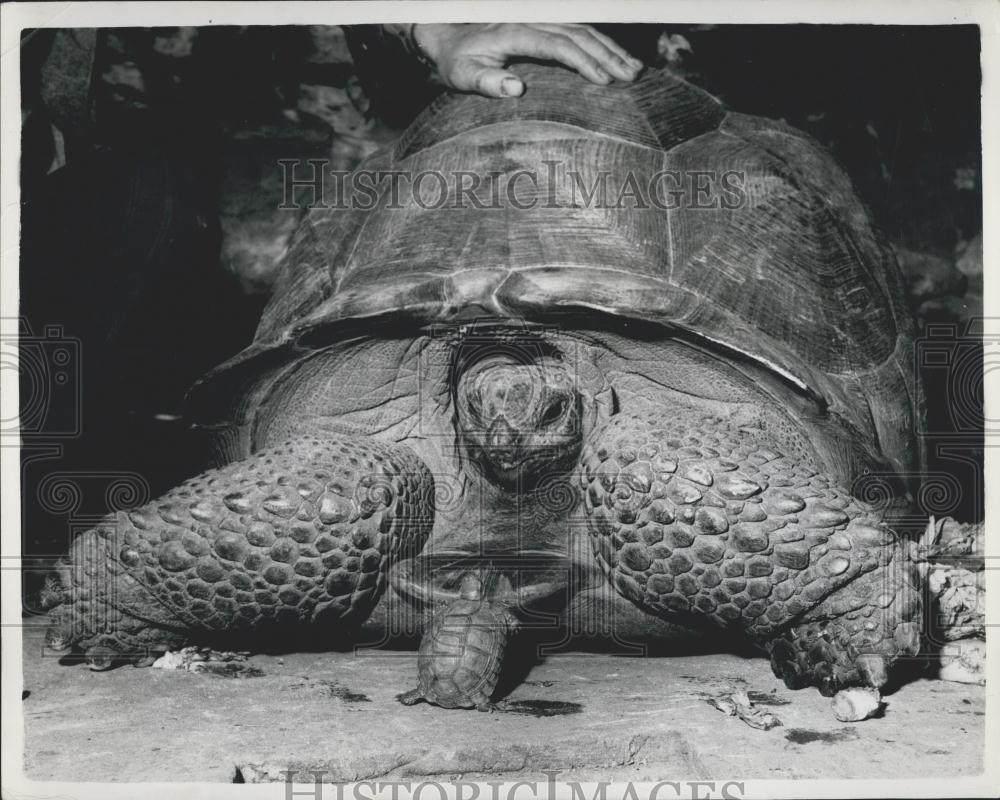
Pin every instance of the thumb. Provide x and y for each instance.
(489, 81)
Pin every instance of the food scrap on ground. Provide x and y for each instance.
(214, 662)
(739, 704)
(964, 661)
(856, 704)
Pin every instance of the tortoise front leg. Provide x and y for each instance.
(695, 518)
(299, 533)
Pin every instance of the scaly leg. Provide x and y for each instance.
(300, 533)
(691, 517)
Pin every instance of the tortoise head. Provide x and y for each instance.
(486, 583)
(519, 421)
(471, 587)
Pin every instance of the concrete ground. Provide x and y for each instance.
(590, 716)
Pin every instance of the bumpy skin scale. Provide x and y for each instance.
(461, 655)
(692, 517)
(300, 533)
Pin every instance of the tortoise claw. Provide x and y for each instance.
(101, 658)
(828, 685)
(59, 639)
(410, 698)
(793, 677)
(491, 707)
(873, 670)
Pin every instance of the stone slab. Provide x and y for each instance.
(591, 716)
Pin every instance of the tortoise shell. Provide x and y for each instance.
(792, 274)
(461, 654)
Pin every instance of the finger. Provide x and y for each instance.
(605, 56)
(470, 76)
(616, 48)
(606, 52)
(536, 43)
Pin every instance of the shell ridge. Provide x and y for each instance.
(645, 121)
(668, 214)
(569, 126)
(348, 257)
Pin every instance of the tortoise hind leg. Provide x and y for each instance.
(295, 534)
(696, 518)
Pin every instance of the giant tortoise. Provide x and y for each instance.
(665, 357)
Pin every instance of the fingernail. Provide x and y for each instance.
(604, 76)
(511, 87)
(625, 70)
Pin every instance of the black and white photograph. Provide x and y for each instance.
(499, 401)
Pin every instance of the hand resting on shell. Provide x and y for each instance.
(474, 57)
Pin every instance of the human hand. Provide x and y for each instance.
(474, 57)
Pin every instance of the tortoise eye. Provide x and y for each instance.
(554, 411)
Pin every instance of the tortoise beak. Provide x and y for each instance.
(503, 445)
